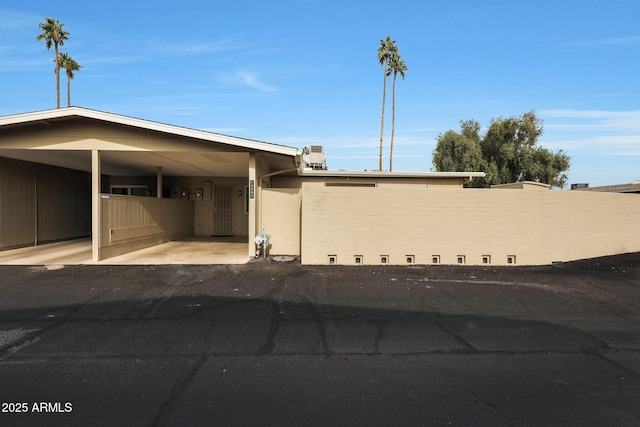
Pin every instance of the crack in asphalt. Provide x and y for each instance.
(178, 390)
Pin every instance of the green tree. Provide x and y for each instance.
(459, 152)
(507, 152)
(69, 65)
(386, 52)
(54, 34)
(396, 66)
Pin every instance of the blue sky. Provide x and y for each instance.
(305, 72)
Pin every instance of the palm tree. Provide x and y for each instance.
(397, 66)
(70, 65)
(52, 33)
(386, 51)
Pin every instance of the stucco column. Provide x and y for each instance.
(253, 188)
(159, 183)
(95, 205)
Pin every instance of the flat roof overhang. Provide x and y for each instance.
(377, 174)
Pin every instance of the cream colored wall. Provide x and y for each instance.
(205, 209)
(41, 203)
(585, 225)
(17, 203)
(281, 220)
(64, 203)
(131, 223)
(393, 182)
(477, 225)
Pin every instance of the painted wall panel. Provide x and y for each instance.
(281, 220)
(145, 221)
(17, 203)
(64, 203)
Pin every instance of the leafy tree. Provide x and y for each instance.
(507, 152)
(396, 66)
(53, 34)
(459, 151)
(69, 65)
(386, 52)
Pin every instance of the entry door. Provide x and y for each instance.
(223, 210)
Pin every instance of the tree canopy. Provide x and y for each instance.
(507, 152)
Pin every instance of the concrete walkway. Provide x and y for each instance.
(193, 250)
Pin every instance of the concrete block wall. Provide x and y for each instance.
(352, 226)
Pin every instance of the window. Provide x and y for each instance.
(130, 190)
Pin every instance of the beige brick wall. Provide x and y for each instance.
(470, 226)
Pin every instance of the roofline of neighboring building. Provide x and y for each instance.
(378, 174)
(633, 187)
(522, 183)
(66, 112)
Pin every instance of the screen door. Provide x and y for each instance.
(223, 210)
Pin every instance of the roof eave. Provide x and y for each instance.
(249, 144)
(377, 174)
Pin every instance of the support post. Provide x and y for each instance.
(253, 187)
(95, 205)
(159, 183)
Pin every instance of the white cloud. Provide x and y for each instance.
(244, 77)
(617, 41)
(595, 119)
(203, 47)
(595, 131)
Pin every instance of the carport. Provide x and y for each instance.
(127, 183)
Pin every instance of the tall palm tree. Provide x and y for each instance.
(386, 51)
(396, 66)
(70, 65)
(53, 34)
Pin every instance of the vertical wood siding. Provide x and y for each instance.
(64, 203)
(17, 203)
(174, 219)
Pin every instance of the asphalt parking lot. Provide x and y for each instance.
(281, 344)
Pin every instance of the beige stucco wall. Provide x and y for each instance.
(281, 220)
(470, 226)
(131, 223)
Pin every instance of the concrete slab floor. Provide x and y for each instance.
(193, 250)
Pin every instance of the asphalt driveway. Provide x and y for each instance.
(270, 343)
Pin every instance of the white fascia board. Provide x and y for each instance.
(249, 144)
(376, 174)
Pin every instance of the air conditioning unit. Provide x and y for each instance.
(316, 157)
